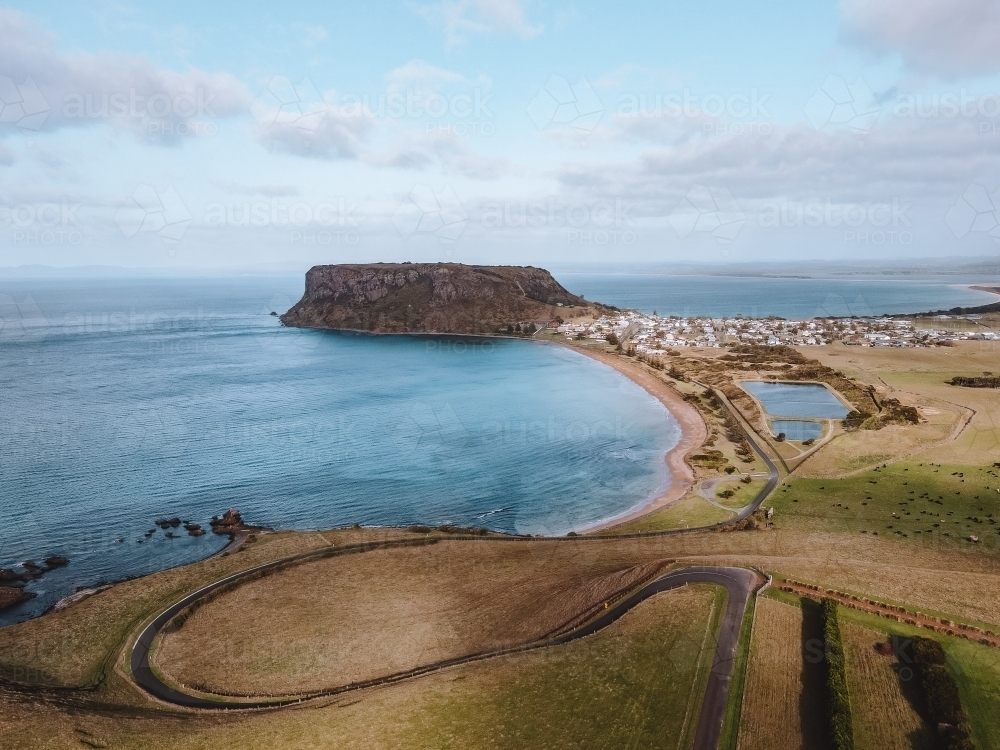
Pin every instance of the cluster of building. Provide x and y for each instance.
(652, 334)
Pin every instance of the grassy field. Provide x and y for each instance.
(884, 716)
(976, 669)
(745, 493)
(71, 648)
(357, 617)
(919, 502)
(783, 699)
(688, 512)
(636, 684)
(917, 377)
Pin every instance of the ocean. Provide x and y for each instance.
(785, 297)
(128, 400)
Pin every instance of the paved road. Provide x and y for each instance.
(738, 582)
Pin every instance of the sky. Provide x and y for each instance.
(277, 136)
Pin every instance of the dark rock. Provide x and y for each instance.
(428, 298)
(11, 596)
(56, 561)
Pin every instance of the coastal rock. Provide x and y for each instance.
(230, 523)
(11, 596)
(429, 298)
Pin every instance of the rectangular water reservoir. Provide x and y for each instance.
(796, 400)
(796, 429)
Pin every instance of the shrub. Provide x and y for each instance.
(941, 700)
(841, 723)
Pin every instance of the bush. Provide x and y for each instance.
(841, 723)
(942, 702)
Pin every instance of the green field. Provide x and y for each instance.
(920, 502)
(637, 685)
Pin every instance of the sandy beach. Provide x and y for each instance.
(693, 432)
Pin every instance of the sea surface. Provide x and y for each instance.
(785, 297)
(124, 401)
(127, 400)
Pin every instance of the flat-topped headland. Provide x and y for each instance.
(450, 298)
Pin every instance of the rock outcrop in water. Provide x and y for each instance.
(430, 298)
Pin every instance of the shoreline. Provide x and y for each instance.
(693, 433)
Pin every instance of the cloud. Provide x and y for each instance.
(932, 161)
(461, 18)
(330, 135)
(950, 37)
(268, 191)
(124, 91)
(419, 151)
(421, 72)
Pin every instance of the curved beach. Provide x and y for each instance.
(693, 434)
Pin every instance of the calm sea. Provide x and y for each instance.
(125, 401)
(122, 401)
(790, 298)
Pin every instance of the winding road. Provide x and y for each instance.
(738, 582)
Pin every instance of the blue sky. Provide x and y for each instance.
(529, 132)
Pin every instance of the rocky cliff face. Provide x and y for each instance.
(429, 298)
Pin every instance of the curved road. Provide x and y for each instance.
(739, 584)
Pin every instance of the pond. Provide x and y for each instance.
(796, 429)
(796, 400)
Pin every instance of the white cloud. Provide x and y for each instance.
(418, 151)
(951, 37)
(124, 91)
(930, 161)
(421, 72)
(461, 18)
(330, 135)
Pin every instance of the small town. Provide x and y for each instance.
(654, 335)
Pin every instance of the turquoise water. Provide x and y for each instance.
(797, 429)
(790, 298)
(796, 399)
(125, 401)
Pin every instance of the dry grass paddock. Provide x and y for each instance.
(782, 698)
(883, 718)
(346, 619)
(636, 684)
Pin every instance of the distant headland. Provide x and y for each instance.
(433, 298)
